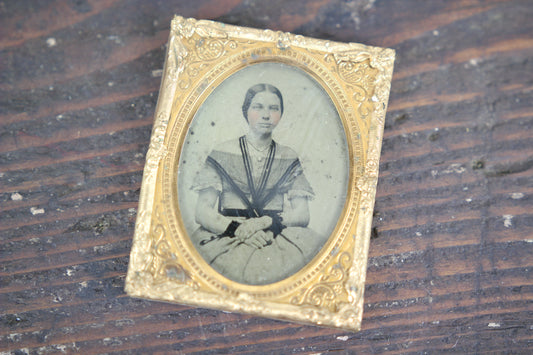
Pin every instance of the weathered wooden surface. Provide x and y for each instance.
(451, 255)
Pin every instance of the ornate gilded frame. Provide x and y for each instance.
(163, 264)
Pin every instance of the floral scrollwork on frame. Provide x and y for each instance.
(156, 150)
(187, 27)
(198, 52)
(329, 292)
(209, 50)
(356, 70)
(163, 264)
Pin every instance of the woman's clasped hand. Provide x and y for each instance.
(253, 231)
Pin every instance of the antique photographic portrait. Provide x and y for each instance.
(260, 178)
(263, 173)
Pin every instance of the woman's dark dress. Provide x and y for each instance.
(253, 184)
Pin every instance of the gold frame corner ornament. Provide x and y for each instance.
(163, 263)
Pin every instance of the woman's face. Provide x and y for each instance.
(264, 113)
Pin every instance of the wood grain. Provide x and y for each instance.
(451, 254)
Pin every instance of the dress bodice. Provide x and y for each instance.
(285, 176)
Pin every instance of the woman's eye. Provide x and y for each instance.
(257, 107)
(274, 108)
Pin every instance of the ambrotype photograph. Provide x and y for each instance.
(260, 177)
(263, 173)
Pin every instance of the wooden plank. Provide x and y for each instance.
(451, 255)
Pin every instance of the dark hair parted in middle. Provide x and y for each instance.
(256, 89)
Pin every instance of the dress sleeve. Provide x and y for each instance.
(206, 178)
(298, 185)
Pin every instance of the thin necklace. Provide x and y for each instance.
(257, 149)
